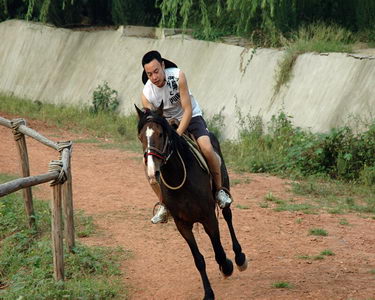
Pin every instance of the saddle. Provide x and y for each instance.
(193, 146)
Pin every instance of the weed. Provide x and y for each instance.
(270, 197)
(308, 257)
(318, 232)
(242, 206)
(299, 221)
(304, 207)
(327, 252)
(282, 285)
(343, 222)
(318, 257)
(236, 181)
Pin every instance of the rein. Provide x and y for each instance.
(183, 180)
(164, 156)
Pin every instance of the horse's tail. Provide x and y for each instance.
(224, 172)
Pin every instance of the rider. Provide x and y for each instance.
(165, 82)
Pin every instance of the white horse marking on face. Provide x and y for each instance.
(150, 160)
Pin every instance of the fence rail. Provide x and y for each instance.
(59, 174)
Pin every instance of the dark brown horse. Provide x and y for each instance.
(187, 190)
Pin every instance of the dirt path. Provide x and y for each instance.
(110, 186)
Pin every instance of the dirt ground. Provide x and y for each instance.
(109, 184)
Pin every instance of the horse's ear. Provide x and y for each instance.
(139, 112)
(160, 109)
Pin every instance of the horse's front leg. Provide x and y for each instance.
(240, 257)
(211, 227)
(186, 231)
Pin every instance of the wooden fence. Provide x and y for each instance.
(59, 173)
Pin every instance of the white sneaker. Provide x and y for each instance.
(161, 215)
(223, 199)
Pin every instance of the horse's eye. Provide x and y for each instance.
(160, 134)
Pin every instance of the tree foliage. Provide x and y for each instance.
(82, 12)
(247, 17)
(258, 19)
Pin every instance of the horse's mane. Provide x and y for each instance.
(177, 142)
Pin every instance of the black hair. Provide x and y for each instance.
(150, 56)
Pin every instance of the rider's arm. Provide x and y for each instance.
(146, 103)
(185, 104)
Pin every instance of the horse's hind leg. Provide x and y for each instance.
(212, 229)
(240, 257)
(187, 233)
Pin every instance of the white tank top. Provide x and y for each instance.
(170, 95)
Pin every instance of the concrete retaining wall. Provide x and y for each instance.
(64, 66)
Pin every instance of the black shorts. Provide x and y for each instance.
(198, 127)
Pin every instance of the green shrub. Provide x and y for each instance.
(284, 148)
(216, 124)
(367, 175)
(104, 99)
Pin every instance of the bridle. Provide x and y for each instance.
(164, 155)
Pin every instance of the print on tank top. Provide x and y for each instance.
(172, 84)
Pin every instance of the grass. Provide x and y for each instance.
(240, 206)
(26, 266)
(343, 221)
(337, 197)
(303, 207)
(237, 181)
(76, 119)
(314, 257)
(320, 256)
(318, 232)
(282, 285)
(316, 37)
(327, 252)
(276, 147)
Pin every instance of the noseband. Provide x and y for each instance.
(162, 154)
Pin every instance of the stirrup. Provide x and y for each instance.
(160, 214)
(223, 198)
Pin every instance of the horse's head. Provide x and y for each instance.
(153, 132)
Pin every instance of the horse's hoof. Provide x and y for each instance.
(228, 269)
(243, 267)
(209, 295)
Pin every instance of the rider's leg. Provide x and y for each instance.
(213, 161)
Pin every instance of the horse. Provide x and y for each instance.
(187, 190)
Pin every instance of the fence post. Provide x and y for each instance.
(65, 149)
(25, 169)
(57, 223)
